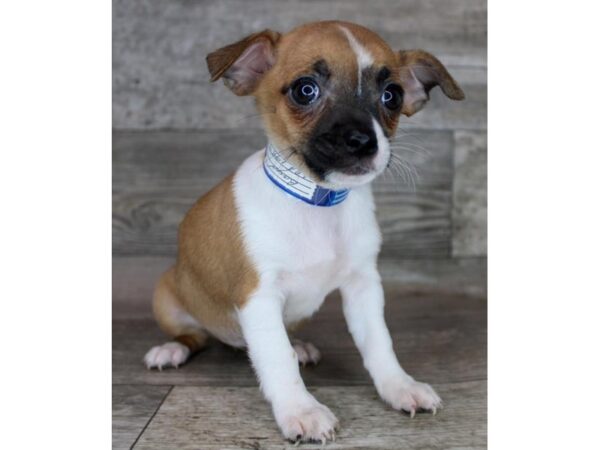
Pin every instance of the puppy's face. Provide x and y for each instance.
(331, 94)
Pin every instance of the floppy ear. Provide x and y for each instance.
(419, 73)
(242, 65)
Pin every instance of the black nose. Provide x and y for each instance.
(363, 143)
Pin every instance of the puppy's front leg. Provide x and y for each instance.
(363, 308)
(299, 415)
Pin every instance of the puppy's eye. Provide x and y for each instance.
(392, 97)
(304, 91)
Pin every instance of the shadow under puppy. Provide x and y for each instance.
(260, 251)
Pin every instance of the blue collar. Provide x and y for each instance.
(291, 180)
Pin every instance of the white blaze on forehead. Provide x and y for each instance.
(364, 59)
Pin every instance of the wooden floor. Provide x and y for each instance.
(213, 402)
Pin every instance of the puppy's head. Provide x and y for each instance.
(331, 94)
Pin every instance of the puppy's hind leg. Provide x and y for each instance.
(188, 335)
(307, 353)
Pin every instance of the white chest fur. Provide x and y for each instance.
(301, 250)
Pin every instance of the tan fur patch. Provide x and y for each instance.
(193, 342)
(213, 274)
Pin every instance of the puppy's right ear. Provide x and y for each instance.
(242, 65)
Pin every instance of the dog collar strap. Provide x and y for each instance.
(291, 180)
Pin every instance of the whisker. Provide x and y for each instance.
(406, 176)
(398, 170)
(407, 133)
(399, 144)
(411, 172)
(412, 144)
(408, 149)
(405, 164)
(394, 171)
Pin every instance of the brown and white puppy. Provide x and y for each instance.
(296, 221)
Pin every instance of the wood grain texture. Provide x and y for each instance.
(237, 418)
(441, 113)
(134, 278)
(132, 408)
(157, 176)
(469, 212)
(459, 276)
(160, 80)
(438, 338)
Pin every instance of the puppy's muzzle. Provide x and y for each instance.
(359, 142)
(347, 147)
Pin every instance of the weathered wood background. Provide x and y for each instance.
(176, 134)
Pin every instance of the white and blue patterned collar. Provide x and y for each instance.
(294, 182)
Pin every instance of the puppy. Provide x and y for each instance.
(260, 251)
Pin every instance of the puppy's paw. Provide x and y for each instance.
(307, 353)
(307, 422)
(410, 396)
(171, 354)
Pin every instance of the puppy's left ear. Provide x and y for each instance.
(242, 64)
(419, 73)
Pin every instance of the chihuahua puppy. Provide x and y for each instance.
(259, 252)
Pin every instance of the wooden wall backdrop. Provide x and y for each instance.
(176, 134)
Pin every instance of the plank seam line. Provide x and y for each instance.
(151, 417)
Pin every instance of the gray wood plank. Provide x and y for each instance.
(439, 338)
(441, 113)
(469, 212)
(134, 278)
(160, 79)
(133, 281)
(191, 161)
(132, 408)
(466, 276)
(235, 418)
(157, 176)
